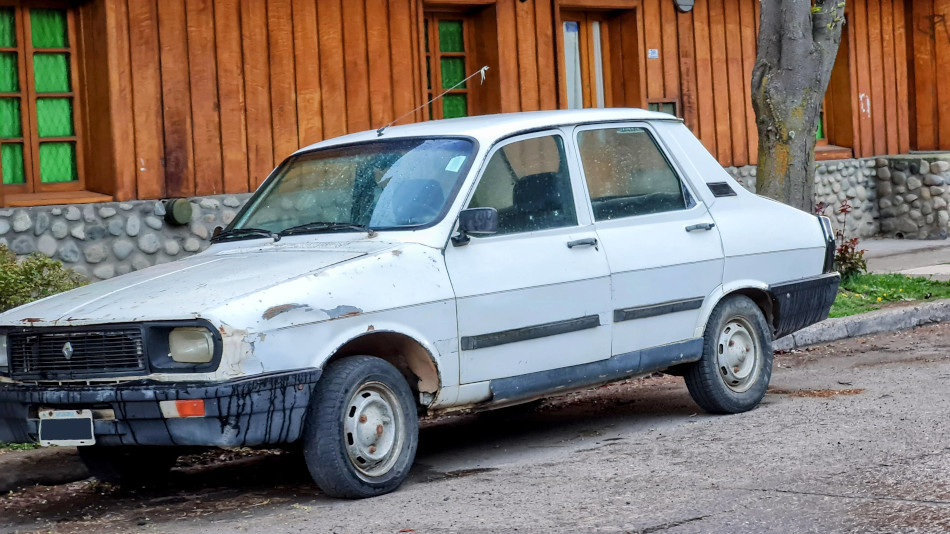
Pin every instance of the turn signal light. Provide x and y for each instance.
(182, 408)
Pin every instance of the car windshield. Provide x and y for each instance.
(381, 185)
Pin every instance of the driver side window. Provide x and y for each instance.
(528, 182)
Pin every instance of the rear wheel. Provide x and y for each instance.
(129, 465)
(736, 366)
(361, 433)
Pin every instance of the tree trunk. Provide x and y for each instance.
(797, 45)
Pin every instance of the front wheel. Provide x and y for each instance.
(736, 366)
(362, 430)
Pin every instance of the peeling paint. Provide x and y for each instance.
(274, 311)
(343, 311)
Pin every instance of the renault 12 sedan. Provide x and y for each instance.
(463, 264)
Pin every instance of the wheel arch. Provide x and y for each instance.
(758, 292)
(412, 358)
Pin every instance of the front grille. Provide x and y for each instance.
(91, 353)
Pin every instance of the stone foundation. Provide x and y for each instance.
(104, 240)
(850, 180)
(914, 196)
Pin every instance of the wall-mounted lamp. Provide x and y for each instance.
(684, 5)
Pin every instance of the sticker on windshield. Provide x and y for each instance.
(629, 130)
(455, 164)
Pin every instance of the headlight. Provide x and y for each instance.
(4, 358)
(190, 345)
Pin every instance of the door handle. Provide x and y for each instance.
(586, 242)
(700, 226)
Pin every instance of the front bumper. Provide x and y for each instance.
(258, 410)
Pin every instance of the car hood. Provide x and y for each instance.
(187, 288)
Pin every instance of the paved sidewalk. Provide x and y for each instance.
(908, 256)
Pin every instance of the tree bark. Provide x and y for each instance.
(797, 45)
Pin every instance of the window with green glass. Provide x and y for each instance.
(38, 128)
(447, 65)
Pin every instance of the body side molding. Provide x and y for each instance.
(652, 310)
(526, 333)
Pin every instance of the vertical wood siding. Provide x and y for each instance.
(213, 93)
(706, 57)
(206, 96)
(929, 26)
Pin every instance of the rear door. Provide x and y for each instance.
(663, 248)
(536, 295)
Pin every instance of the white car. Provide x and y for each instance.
(464, 264)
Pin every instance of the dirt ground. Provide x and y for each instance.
(852, 437)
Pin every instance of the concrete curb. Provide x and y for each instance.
(58, 465)
(889, 320)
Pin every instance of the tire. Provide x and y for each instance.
(736, 366)
(129, 465)
(362, 429)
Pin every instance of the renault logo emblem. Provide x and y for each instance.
(68, 350)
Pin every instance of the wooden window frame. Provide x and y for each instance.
(434, 57)
(675, 101)
(29, 131)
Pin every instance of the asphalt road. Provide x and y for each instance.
(853, 437)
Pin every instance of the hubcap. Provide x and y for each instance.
(373, 429)
(738, 355)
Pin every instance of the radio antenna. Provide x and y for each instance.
(482, 71)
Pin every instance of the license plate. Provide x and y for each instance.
(66, 428)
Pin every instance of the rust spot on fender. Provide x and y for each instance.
(397, 253)
(370, 328)
(343, 311)
(274, 311)
(32, 320)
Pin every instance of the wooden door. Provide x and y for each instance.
(600, 59)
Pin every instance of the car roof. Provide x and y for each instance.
(488, 128)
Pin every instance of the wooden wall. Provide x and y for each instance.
(199, 97)
(706, 59)
(209, 95)
(879, 77)
(929, 35)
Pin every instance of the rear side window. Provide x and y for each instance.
(528, 182)
(627, 175)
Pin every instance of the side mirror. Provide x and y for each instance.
(475, 221)
(216, 232)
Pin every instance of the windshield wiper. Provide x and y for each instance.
(244, 233)
(319, 226)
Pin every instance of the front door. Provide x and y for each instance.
(536, 295)
(662, 245)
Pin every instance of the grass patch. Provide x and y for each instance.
(18, 446)
(868, 292)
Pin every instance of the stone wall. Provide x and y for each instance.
(850, 180)
(914, 196)
(104, 240)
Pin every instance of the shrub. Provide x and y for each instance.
(35, 277)
(849, 259)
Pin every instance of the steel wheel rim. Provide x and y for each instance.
(373, 430)
(738, 355)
